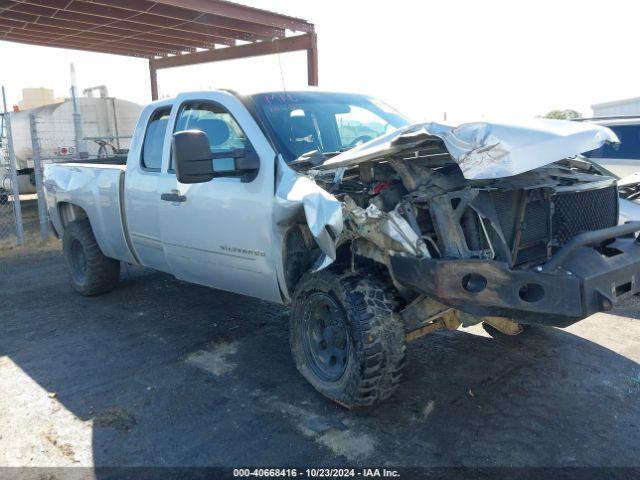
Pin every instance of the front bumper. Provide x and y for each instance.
(581, 281)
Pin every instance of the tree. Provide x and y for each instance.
(567, 114)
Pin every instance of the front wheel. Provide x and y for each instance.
(346, 338)
(91, 272)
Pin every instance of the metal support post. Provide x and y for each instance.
(153, 76)
(77, 126)
(37, 166)
(312, 62)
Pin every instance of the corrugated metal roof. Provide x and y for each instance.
(142, 28)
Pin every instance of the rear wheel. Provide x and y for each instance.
(346, 339)
(91, 272)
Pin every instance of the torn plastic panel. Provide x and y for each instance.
(298, 194)
(487, 150)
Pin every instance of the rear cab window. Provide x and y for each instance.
(152, 148)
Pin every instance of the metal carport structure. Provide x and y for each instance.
(169, 33)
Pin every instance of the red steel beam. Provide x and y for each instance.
(312, 62)
(280, 45)
(153, 75)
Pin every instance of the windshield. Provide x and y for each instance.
(329, 122)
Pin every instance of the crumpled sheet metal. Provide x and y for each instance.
(380, 227)
(488, 150)
(629, 211)
(322, 211)
(632, 179)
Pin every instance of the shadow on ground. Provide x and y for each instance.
(171, 374)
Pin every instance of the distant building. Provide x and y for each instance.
(37, 97)
(629, 107)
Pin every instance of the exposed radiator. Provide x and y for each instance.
(550, 221)
(584, 211)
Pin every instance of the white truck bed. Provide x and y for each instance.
(98, 189)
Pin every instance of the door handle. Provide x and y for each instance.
(173, 197)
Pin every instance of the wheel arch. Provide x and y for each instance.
(299, 253)
(69, 212)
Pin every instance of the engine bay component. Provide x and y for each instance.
(469, 216)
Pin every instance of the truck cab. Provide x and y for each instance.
(214, 233)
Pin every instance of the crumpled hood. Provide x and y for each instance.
(488, 150)
(633, 179)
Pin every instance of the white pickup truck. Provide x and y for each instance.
(375, 230)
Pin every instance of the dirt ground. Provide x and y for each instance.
(29, 209)
(163, 373)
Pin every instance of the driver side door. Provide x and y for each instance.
(220, 232)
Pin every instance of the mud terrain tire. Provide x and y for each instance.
(364, 308)
(91, 272)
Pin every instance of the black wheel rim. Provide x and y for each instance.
(326, 338)
(78, 262)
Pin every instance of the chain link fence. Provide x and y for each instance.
(83, 129)
(11, 228)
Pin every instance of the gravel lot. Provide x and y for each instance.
(163, 373)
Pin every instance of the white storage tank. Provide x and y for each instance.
(102, 118)
(105, 119)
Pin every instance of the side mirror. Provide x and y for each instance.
(248, 160)
(248, 164)
(195, 163)
(192, 157)
(241, 162)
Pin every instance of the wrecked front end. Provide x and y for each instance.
(490, 221)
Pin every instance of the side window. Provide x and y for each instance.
(225, 135)
(154, 139)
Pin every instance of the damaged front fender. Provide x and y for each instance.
(298, 194)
